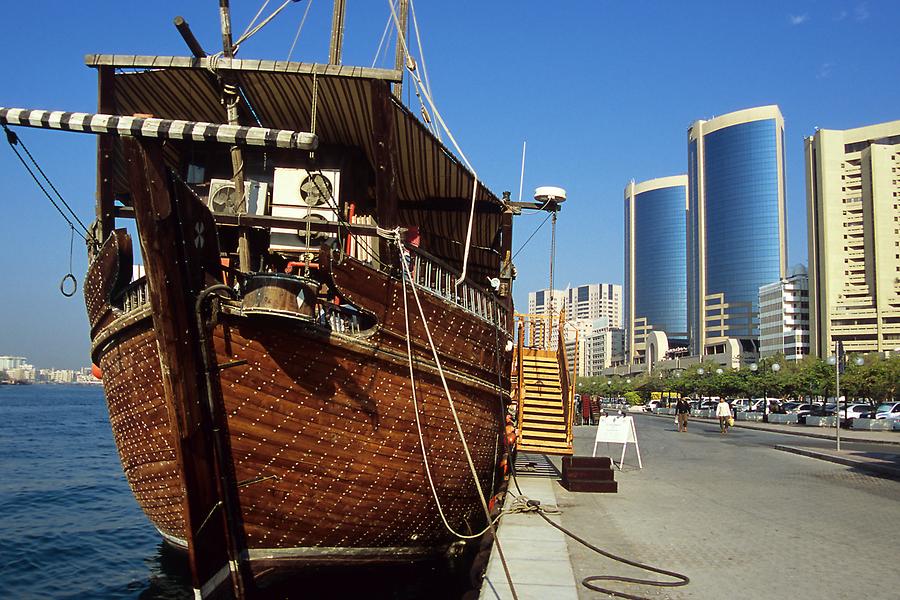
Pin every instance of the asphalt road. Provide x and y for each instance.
(756, 436)
(741, 519)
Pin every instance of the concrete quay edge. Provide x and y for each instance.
(536, 553)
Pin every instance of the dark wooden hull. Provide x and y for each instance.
(321, 425)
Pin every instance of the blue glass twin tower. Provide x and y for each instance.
(699, 247)
(655, 263)
(736, 225)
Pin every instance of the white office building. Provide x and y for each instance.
(784, 316)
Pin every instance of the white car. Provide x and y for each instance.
(741, 404)
(856, 411)
(888, 410)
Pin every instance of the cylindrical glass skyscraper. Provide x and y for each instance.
(736, 224)
(655, 263)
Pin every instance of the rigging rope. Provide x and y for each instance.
(299, 29)
(412, 10)
(69, 276)
(412, 379)
(538, 228)
(236, 45)
(387, 27)
(259, 12)
(15, 140)
(446, 129)
(404, 254)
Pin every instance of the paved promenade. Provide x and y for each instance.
(740, 518)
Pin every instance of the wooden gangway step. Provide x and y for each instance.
(540, 411)
(543, 426)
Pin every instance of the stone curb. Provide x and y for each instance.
(842, 460)
(821, 436)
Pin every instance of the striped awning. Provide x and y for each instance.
(282, 98)
(169, 129)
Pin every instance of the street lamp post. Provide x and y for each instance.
(837, 359)
(775, 368)
(700, 372)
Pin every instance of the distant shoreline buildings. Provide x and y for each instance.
(17, 370)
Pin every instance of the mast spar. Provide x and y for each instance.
(232, 98)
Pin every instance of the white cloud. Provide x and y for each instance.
(861, 12)
(798, 19)
(824, 70)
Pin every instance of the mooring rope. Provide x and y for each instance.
(404, 254)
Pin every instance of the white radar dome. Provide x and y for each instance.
(549, 193)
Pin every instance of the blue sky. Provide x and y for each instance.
(602, 91)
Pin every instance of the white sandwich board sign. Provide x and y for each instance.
(618, 430)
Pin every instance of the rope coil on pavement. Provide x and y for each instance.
(522, 504)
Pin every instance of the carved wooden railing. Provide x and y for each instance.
(431, 274)
(566, 381)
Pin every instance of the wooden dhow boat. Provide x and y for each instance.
(312, 363)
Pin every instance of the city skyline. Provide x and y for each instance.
(593, 114)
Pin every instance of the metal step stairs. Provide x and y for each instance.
(543, 427)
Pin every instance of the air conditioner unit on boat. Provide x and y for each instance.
(299, 194)
(223, 197)
(319, 189)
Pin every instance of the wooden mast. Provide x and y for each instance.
(105, 195)
(174, 262)
(232, 99)
(400, 56)
(337, 32)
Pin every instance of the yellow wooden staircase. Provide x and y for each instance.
(544, 394)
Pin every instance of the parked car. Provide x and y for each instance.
(709, 405)
(822, 410)
(774, 405)
(888, 410)
(857, 411)
(798, 408)
(741, 404)
(653, 404)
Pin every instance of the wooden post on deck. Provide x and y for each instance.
(106, 220)
(386, 209)
(174, 262)
(232, 100)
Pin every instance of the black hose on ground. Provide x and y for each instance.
(535, 506)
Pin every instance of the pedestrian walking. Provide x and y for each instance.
(723, 412)
(682, 410)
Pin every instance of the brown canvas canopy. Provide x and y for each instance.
(434, 188)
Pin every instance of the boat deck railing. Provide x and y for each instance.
(432, 275)
(428, 273)
(136, 295)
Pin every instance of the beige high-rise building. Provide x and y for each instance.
(853, 216)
